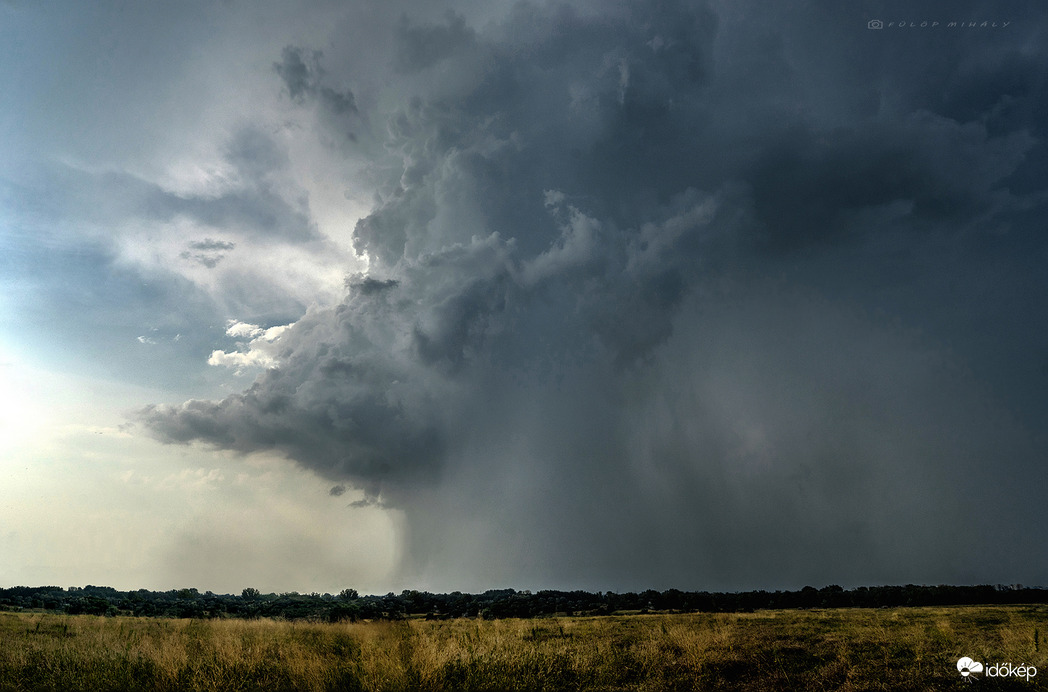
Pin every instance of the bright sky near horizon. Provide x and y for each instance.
(467, 294)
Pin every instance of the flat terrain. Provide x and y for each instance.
(845, 649)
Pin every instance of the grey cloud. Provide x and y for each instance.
(298, 78)
(209, 245)
(337, 490)
(368, 285)
(254, 154)
(459, 326)
(258, 206)
(660, 308)
(368, 501)
(341, 429)
(208, 260)
(302, 76)
(419, 47)
(208, 252)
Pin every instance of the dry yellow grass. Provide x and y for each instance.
(824, 649)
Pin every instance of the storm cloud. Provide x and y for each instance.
(682, 295)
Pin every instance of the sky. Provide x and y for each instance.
(461, 295)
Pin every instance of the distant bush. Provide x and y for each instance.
(493, 604)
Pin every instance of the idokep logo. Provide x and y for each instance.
(967, 667)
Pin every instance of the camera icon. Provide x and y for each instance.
(875, 24)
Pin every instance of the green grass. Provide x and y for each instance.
(853, 649)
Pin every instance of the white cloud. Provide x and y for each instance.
(259, 351)
(242, 329)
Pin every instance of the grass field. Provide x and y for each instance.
(853, 649)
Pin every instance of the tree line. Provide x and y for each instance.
(496, 603)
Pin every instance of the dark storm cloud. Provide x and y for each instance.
(347, 401)
(678, 295)
(812, 186)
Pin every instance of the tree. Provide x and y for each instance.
(250, 594)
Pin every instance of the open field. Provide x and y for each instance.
(847, 649)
